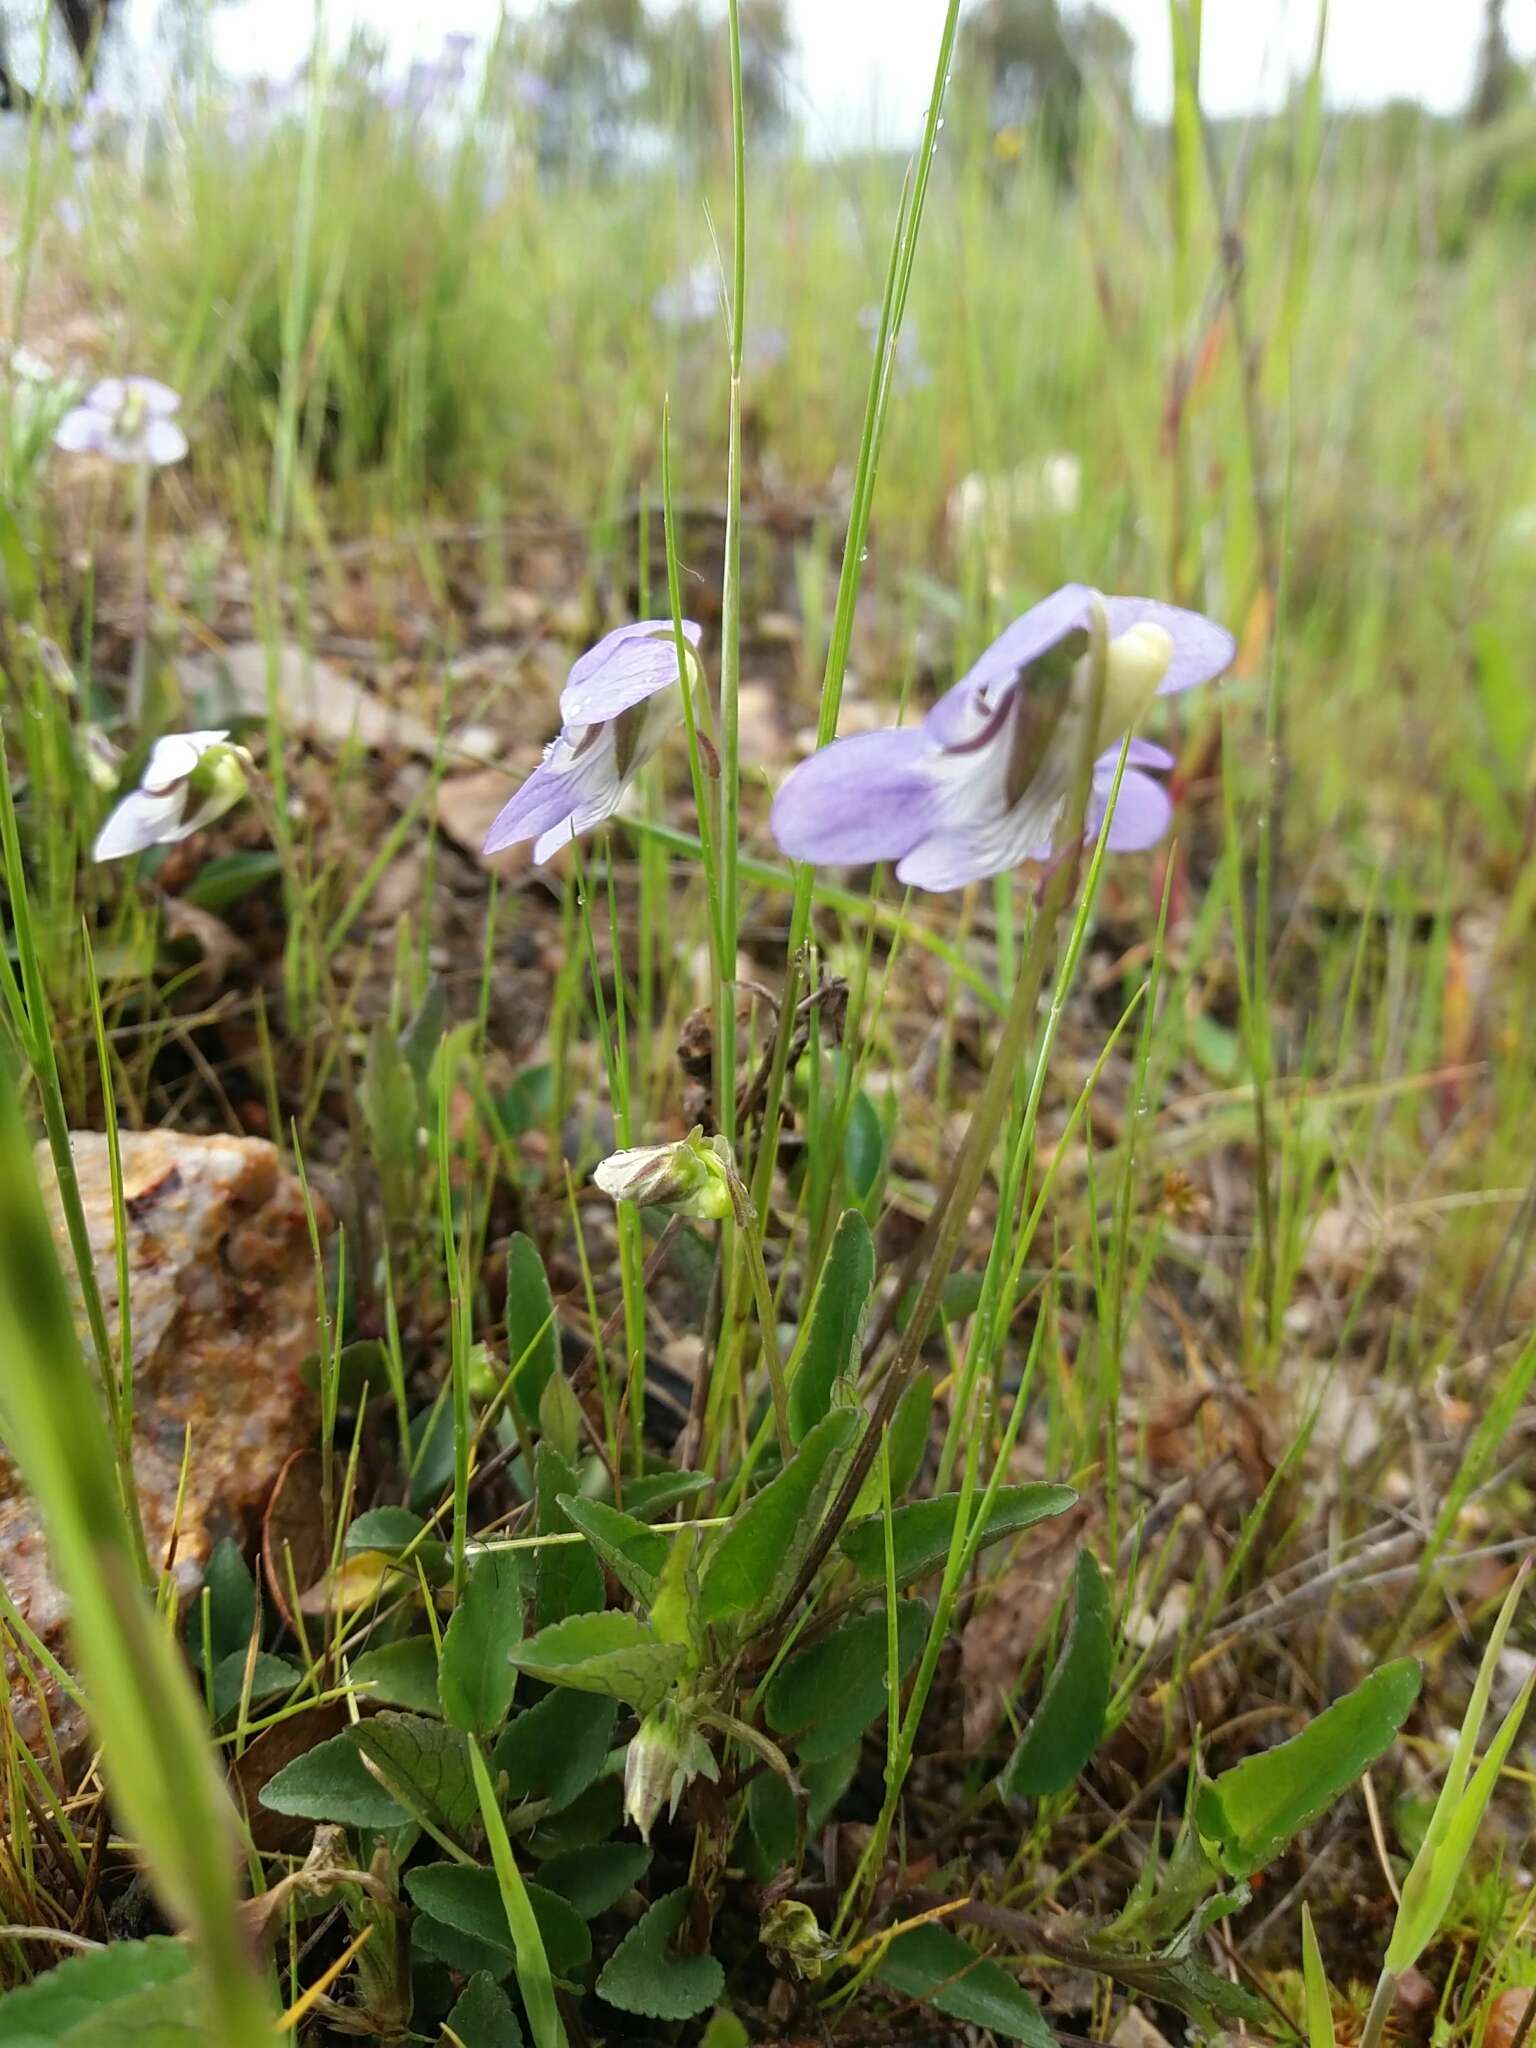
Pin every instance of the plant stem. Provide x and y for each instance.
(1381, 2006)
(987, 1118)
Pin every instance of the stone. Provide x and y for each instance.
(222, 1289)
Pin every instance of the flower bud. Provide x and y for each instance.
(666, 1754)
(689, 1178)
(793, 1937)
(1137, 663)
(218, 781)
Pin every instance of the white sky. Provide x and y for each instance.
(870, 62)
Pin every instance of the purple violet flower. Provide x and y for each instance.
(982, 782)
(127, 419)
(619, 703)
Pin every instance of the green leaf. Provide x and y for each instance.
(772, 1826)
(609, 1653)
(269, 1675)
(556, 1749)
(527, 1102)
(231, 1606)
(228, 877)
(468, 1898)
(440, 1943)
(483, 2017)
(402, 1674)
(422, 1036)
(331, 1782)
(533, 1343)
(18, 576)
(863, 1149)
(921, 1531)
(936, 1966)
(836, 1320)
(84, 1997)
(754, 1561)
(1069, 1720)
(1319, 2006)
(388, 1529)
(475, 1680)
(825, 1696)
(567, 1578)
(906, 1445)
(1248, 1814)
(645, 1974)
(1430, 1884)
(390, 1100)
(650, 1496)
(428, 1761)
(560, 1416)
(596, 1877)
(635, 1554)
(725, 2030)
(362, 1371)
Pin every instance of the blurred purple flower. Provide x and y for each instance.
(87, 131)
(619, 703)
(689, 299)
(907, 365)
(533, 90)
(127, 419)
(981, 784)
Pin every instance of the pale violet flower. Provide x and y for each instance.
(690, 299)
(189, 780)
(983, 782)
(619, 703)
(127, 419)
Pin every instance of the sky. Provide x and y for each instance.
(865, 65)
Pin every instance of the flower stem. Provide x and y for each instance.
(1381, 2006)
(138, 674)
(987, 1118)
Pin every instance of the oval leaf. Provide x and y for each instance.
(1248, 1814)
(932, 1964)
(609, 1653)
(837, 1316)
(468, 1898)
(759, 1554)
(921, 1530)
(1070, 1717)
(827, 1695)
(476, 1680)
(645, 1974)
(634, 1554)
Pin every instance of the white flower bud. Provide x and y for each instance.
(1137, 663)
(689, 1178)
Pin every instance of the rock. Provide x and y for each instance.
(466, 808)
(223, 1298)
(317, 700)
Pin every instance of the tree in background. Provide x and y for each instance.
(1500, 80)
(603, 76)
(84, 23)
(691, 74)
(1030, 64)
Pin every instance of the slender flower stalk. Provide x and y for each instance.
(132, 422)
(986, 1119)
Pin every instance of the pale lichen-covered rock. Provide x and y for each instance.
(222, 1293)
